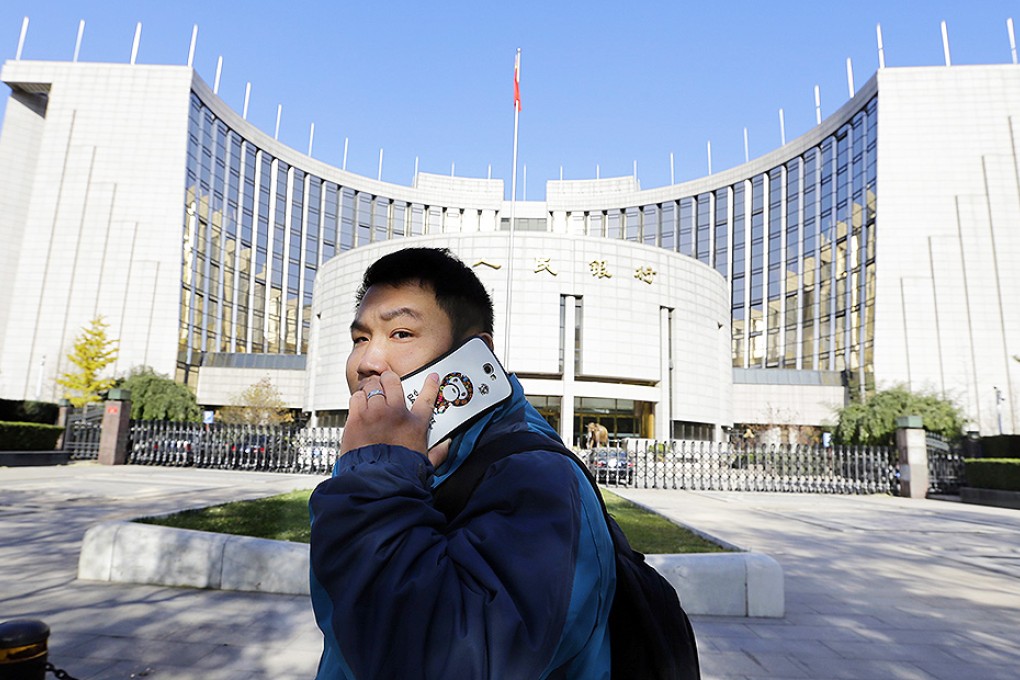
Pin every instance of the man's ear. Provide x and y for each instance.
(487, 337)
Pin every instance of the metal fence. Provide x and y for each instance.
(945, 466)
(726, 467)
(282, 448)
(634, 462)
(84, 426)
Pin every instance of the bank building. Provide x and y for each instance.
(879, 248)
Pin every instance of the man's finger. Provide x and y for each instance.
(390, 384)
(357, 402)
(426, 400)
(438, 453)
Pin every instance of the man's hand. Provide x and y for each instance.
(383, 417)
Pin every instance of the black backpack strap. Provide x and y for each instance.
(452, 495)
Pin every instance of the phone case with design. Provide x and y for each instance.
(471, 382)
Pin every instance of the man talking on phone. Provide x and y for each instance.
(519, 583)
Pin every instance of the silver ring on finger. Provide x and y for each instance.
(374, 393)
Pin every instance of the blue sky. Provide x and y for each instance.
(603, 84)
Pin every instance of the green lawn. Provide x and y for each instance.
(285, 518)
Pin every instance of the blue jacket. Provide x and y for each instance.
(518, 586)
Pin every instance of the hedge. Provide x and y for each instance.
(1000, 446)
(28, 436)
(993, 473)
(18, 411)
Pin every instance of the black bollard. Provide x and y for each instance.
(23, 649)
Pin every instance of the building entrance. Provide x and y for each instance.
(621, 417)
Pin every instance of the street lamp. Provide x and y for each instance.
(998, 406)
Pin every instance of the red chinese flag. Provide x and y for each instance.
(517, 82)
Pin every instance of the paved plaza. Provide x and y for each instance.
(876, 587)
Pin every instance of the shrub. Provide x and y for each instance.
(17, 411)
(874, 421)
(993, 473)
(158, 397)
(28, 436)
(1001, 446)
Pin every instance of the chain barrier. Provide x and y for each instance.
(59, 672)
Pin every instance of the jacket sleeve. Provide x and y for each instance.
(409, 596)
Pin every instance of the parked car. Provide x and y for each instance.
(612, 466)
(258, 450)
(166, 448)
(317, 456)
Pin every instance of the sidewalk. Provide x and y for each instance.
(109, 632)
(876, 587)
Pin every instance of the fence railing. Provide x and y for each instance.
(726, 467)
(281, 448)
(84, 426)
(945, 466)
(638, 463)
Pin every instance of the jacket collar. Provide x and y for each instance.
(514, 414)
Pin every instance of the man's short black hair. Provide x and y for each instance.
(458, 291)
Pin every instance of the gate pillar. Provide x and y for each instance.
(65, 409)
(911, 441)
(113, 437)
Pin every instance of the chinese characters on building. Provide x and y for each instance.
(599, 268)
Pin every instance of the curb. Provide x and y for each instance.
(129, 552)
(714, 584)
(20, 458)
(725, 584)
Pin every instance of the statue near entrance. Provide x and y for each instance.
(597, 435)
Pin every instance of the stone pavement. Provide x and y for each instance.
(101, 631)
(876, 587)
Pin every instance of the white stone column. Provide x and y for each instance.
(664, 409)
(567, 399)
(911, 441)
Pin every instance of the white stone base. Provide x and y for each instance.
(128, 552)
(715, 584)
(725, 584)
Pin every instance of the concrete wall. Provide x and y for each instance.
(222, 386)
(947, 318)
(786, 404)
(102, 231)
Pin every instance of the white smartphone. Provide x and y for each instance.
(471, 382)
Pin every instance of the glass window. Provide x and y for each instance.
(704, 230)
(347, 207)
(417, 219)
(721, 255)
(737, 334)
(650, 227)
(364, 218)
(435, 220)
(399, 226)
(687, 226)
(613, 227)
(329, 221)
(633, 228)
(381, 219)
(667, 226)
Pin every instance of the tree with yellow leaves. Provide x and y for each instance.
(93, 351)
(259, 404)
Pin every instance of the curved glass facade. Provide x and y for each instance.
(795, 242)
(257, 229)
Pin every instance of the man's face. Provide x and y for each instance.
(396, 328)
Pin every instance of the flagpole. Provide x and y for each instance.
(513, 215)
